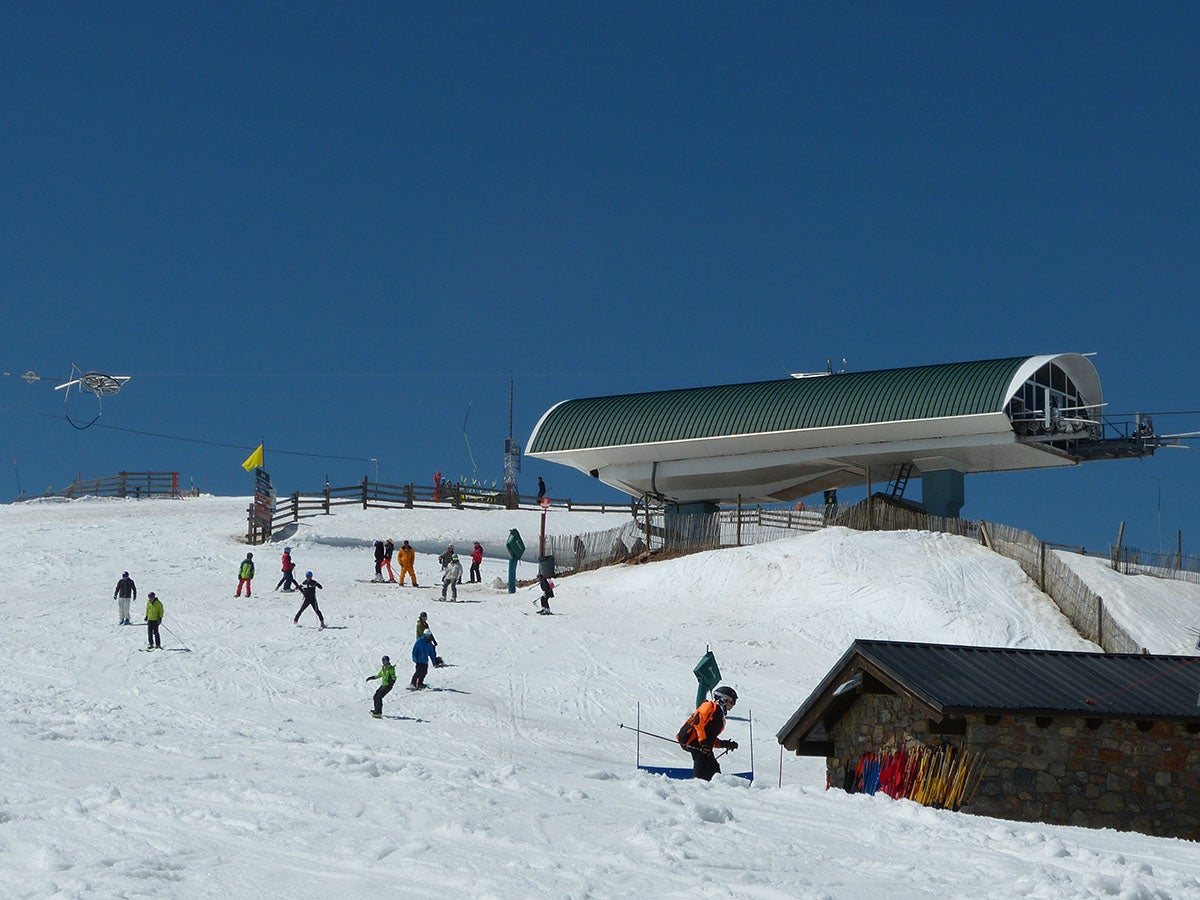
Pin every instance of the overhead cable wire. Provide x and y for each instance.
(187, 440)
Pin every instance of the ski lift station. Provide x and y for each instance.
(779, 441)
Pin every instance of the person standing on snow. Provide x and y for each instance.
(378, 561)
(406, 554)
(423, 653)
(388, 549)
(423, 625)
(123, 593)
(308, 590)
(541, 488)
(288, 581)
(476, 559)
(154, 617)
(245, 574)
(547, 587)
(699, 734)
(450, 578)
(387, 680)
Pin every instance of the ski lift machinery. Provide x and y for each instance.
(99, 383)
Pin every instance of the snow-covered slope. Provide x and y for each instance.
(247, 765)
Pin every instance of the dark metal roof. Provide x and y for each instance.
(952, 679)
(850, 398)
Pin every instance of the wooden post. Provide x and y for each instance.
(1100, 622)
(646, 508)
(870, 503)
(326, 498)
(1179, 549)
(409, 493)
(295, 506)
(1116, 554)
(984, 537)
(1042, 567)
(739, 520)
(364, 491)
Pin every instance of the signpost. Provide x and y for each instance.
(544, 503)
(264, 499)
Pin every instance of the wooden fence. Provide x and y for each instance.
(124, 484)
(1083, 608)
(372, 495)
(683, 534)
(1178, 565)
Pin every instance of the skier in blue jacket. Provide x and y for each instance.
(424, 653)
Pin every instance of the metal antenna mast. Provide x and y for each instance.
(512, 455)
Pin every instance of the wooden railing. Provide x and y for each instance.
(372, 495)
(124, 484)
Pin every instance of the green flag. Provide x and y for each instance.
(708, 674)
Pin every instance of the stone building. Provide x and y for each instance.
(1092, 739)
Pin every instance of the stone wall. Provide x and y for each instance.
(1069, 770)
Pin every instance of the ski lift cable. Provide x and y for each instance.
(187, 440)
(474, 467)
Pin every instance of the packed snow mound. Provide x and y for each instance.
(241, 759)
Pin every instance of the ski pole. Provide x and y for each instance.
(174, 635)
(649, 734)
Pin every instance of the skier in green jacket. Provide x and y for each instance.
(154, 616)
(386, 679)
(423, 625)
(245, 574)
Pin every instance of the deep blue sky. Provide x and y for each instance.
(335, 226)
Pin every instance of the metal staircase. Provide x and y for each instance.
(899, 480)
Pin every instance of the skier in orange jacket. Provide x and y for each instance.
(700, 733)
(406, 554)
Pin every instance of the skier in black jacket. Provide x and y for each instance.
(308, 590)
(379, 551)
(123, 593)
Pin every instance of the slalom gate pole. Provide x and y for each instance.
(174, 635)
(649, 734)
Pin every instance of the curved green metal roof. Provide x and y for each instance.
(850, 398)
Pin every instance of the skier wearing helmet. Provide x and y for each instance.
(699, 734)
(423, 653)
(308, 590)
(245, 575)
(288, 581)
(451, 577)
(387, 680)
(423, 625)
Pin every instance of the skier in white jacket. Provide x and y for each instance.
(450, 578)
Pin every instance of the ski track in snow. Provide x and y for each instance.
(248, 766)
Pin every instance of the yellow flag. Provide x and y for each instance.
(254, 460)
